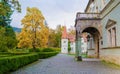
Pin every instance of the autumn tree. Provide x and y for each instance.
(43, 36)
(34, 32)
(71, 31)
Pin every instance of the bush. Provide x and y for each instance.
(18, 50)
(57, 49)
(35, 50)
(12, 63)
(13, 53)
(43, 55)
(47, 50)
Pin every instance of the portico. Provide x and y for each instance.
(90, 23)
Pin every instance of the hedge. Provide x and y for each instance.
(48, 50)
(12, 63)
(43, 55)
(8, 64)
(13, 53)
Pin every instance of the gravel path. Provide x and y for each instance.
(65, 64)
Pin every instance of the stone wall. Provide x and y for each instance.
(91, 53)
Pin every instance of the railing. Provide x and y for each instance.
(87, 16)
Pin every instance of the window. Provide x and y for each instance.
(111, 28)
(101, 42)
(114, 36)
(64, 41)
(109, 37)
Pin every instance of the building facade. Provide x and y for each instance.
(67, 40)
(102, 20)
(64, 41)
(71, 39)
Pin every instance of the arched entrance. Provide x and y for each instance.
(93, 40)
(90, 23)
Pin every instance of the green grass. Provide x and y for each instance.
(84, 55)
(71, 54)
(112, 65)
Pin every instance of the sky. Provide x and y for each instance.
(56, 12)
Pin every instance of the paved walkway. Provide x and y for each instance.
(65, 64)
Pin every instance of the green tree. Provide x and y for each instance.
(69, 48)
(7, 38)
(52, 38)
(6, 9)
(3, 43)
(58, 35)
(7, 35)
(10, 37)
(55, 37)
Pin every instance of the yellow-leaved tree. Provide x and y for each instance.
(34, 33)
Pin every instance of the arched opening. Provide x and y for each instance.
(93, 41)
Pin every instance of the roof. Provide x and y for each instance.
(71, 38)
(67, 36)
(64, 33)
(90, 1)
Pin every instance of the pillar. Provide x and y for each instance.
(96, 47)
(78, 49)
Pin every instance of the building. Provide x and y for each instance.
(101, 20)
(84, 43)
(66, 40)
(71, 39)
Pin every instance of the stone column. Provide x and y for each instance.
(77, 52)
(78, 49)
(96, 47)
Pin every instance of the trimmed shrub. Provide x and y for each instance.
(43, 55)
(18, 50)
(12, 63)
(57, 49)
(47, 50)
(12, 53)
(35, 50)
